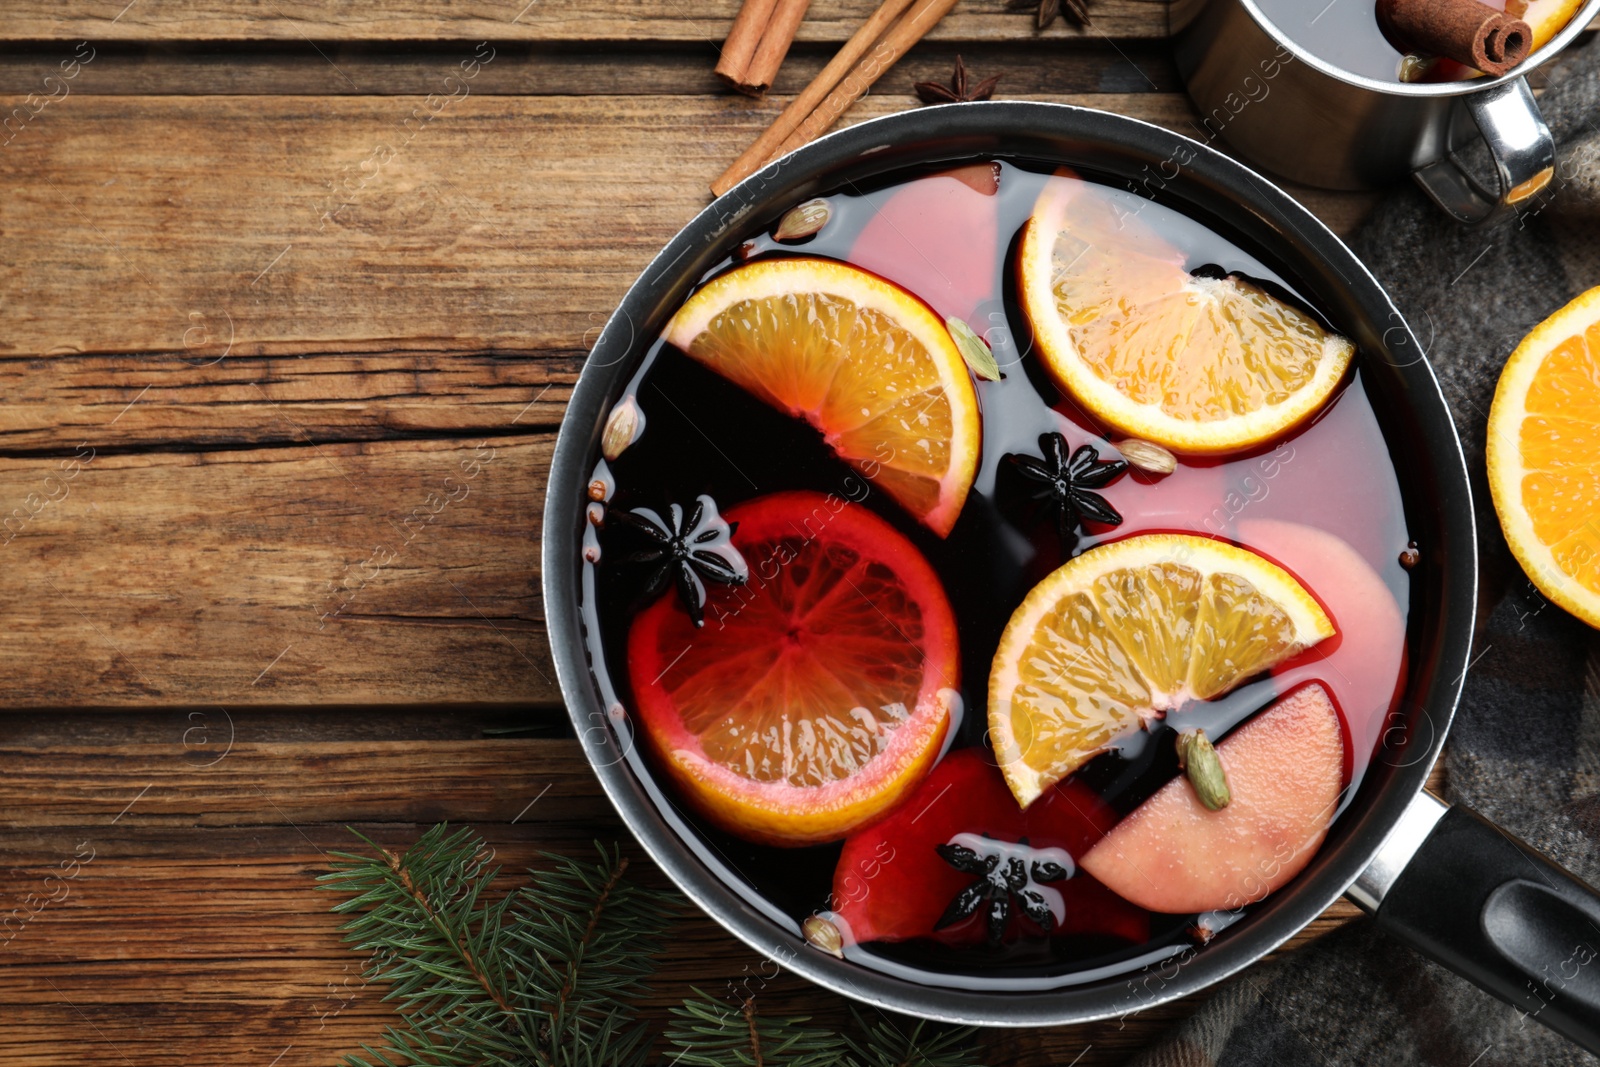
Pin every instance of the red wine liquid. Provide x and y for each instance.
(953, 244)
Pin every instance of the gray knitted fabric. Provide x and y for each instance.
(1525, 747)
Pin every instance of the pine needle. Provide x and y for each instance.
(896, 1041)
(713, 1033)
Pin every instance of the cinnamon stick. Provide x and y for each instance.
(1510, 45)
(911, 28)
(801, 106)
(1467, 31)
(775, 42)
(743, 39)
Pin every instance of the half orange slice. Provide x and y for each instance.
(1544, 456)
(1197, 364)
(1128, 631)
(865, 362)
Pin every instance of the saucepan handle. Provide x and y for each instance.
(1490, 908)
(1524, 156)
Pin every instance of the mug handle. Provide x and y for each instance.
(1524, 158)
(1463, 891)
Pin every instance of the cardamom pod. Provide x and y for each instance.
(1148, 456)
(803, 220)
(973, 350)
(820, 933)
(623, 427)
(1204, 767)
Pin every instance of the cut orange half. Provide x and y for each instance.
(1126, 632)
(1197, 364)
(1544, 456)
(863, 361)
(816, 695)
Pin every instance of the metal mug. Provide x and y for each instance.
(1309, 120)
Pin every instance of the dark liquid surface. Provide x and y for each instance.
(953, 247)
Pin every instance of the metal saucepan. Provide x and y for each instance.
(1301, 116)
(1438, 876)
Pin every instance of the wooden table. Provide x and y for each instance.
(260, 296)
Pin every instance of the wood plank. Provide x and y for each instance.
(196, 779)
(331, 573)
(199, 905)
(505, 225)
(187, 403)
(701, 27)
(1074, 65)
(704, 24)
(324, 723)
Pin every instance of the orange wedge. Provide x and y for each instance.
(1196, 364)
(865, 362)
(1544, 456)
(1126, 632)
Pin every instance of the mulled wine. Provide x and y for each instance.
(961, 535)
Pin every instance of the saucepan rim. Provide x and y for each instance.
(986, 130)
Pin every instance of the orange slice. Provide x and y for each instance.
(863, 361)
(1544, 456)
(1197, 364)
(817, 695)
(1547, 17)
(1126, 632)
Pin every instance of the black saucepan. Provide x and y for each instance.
(1438, 876)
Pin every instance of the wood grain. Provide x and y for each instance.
(396, 22)
(190, 402)
(326, 573)
(1076, 65)
(198, 779)
(702, 24)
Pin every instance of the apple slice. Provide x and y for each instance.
(938, 237)
(1363, 665)
(1285, 769)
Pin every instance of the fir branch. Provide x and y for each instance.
(749, 1013)
(458, 939)
(422, 915)
(502, 983)
(438, 944)
(590, 936)
(550, 974)
(921, 1044)
(710, 1033)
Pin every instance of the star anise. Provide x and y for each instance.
(1069, 482)
(958, 91)
(685, 549)
(1002, 879)
(1045, 11)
